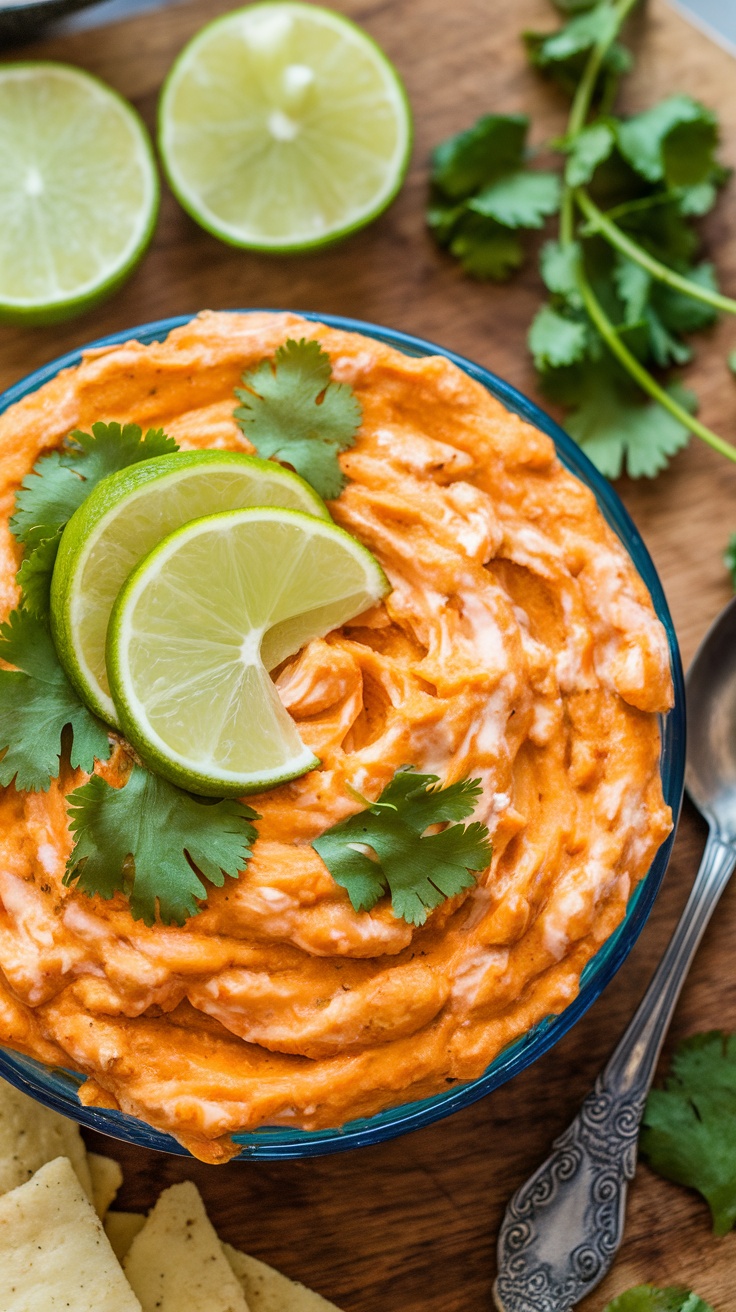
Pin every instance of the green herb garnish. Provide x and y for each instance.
(155, 843)
(292, 412)
(418, 869)
(148, 839)
(482, 195)
(37, 704)
(59, 483)
(648, 1298)
(626, 286)
(689, 1127)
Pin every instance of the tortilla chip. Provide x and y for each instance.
(176, 1261)
(267, 1290)
(107, 1177)
(31, 1135)
(54, 1253)
(121, 1229)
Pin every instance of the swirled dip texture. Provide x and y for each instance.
(518, 646)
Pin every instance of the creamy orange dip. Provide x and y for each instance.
(518, 646)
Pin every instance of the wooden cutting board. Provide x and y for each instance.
(411, 1226)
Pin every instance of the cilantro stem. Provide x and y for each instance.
(576, 122)
(642, 376)
(586, 85)
(633, 251)
(581, 106)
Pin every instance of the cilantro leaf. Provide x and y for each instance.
(154, 843)
(581, 33)
(562, 55)
(673, 142)
(34, 576)
(688, 1127)
(587, 150)
(556, 340)
(419, 870)
(62, 480)
(37, 703)
(649, 1298)
(47, 498)
(482, 194)
(618, 430)
(519, 200)
(291, 411)
(558, 265)
(493, 146)
(487, 250)
(683, 314)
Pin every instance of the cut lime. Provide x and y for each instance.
(284, 126)
(202, 620)
(78, 191)
(123, 519)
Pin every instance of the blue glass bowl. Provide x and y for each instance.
(57, 1088)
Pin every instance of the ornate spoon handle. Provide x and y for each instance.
(563, 1227)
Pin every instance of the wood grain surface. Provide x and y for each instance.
(410, 1226)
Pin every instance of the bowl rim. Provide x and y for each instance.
(279, 1143)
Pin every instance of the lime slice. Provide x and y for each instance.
(123, 519)
(284, 126)
(202, 620)
(78, 192)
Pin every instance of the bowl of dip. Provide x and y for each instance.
(570, 989)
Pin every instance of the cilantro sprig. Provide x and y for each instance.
(58, 485)
(292, 411)
(155, 843)
(689, 1127)
(483, 196)
(38, 707)
(651, 1298)
(626, 286)
(386, 847)
(147, 839)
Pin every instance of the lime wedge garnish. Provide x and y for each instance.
(284, 126)
(126, 515)
(78, 191)
(202, 620)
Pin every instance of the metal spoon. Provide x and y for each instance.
(563, 1227)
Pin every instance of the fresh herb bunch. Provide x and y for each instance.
(386, 848)
(147, 839)
(625, 283)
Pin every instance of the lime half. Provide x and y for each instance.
(200, 623)
(123, 519)
(78, 191)
(284, 126)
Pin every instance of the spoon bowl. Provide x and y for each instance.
(710, 775)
